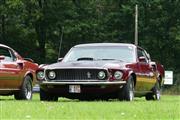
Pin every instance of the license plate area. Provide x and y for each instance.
(74, 89)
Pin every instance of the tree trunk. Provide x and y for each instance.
(40, 28)
(3, 27)
(3, 24)
(41, 36)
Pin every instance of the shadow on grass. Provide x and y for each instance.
(6, 98)
(164, 98)
(62, 99)
(35, 98)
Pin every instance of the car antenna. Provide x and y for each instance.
(60, 43)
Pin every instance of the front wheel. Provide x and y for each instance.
(25, 92)
(127, 92)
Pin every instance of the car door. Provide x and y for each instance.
(146, 76)
(9, 69)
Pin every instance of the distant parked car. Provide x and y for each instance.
(17, 74)
(102, 70)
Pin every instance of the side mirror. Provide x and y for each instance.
(142, 59)
(60, 59)
(2, 57)
(29, 59)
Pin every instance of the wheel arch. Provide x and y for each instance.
(30, 75)
(25, 93)
(160, 80)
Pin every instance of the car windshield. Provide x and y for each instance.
(122, 53)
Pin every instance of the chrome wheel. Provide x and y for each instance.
(157, 91)
(158, 95)
(131, 91)
(25, 92)
(28, 91)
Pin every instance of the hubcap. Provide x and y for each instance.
(131, 92)
(28, 91)
(158, 94)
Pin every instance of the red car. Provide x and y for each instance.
(102, 70)
(17, 74)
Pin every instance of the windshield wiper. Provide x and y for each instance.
(85, 58)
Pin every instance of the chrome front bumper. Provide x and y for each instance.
(82, 83)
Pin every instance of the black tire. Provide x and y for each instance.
(149, 96)
(127, 92)
(156, 93)
(45, 96)
(25, 92)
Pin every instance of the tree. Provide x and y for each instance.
(33, 27)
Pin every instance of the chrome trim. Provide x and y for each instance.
(61, 68)
(77, 80)
(8, 89)
(71, 67)
(82, 83)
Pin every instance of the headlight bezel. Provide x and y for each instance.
(101, 75)
(51, 75)
(118, 75)
(40, 75)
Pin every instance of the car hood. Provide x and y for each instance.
(114, 64)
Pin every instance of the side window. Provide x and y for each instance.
(14, 58)
(141, 53)
(8, 57)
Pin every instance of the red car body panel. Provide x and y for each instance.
(12, 72)
(145, 77)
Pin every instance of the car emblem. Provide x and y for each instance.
(88, 75)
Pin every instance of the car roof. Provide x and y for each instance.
(105, 44)
(5, 46)
(2, 45)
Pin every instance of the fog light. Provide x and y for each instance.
(51, 74)
(101, 75)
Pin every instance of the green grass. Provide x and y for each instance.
(168, 108)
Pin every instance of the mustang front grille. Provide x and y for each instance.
(76, 74)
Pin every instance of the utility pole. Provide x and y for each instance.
(61, 40)
(136, 25)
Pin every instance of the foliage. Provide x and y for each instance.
(34, 27)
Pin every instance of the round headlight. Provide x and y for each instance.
(51, 74)
(101, 75)
(118, 75)
(40, 75)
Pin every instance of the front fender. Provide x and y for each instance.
(127, 73)
(32, 75)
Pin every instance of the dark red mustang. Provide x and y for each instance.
(17, 75)
(102, 70)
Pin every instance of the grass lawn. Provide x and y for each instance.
(168, 108)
